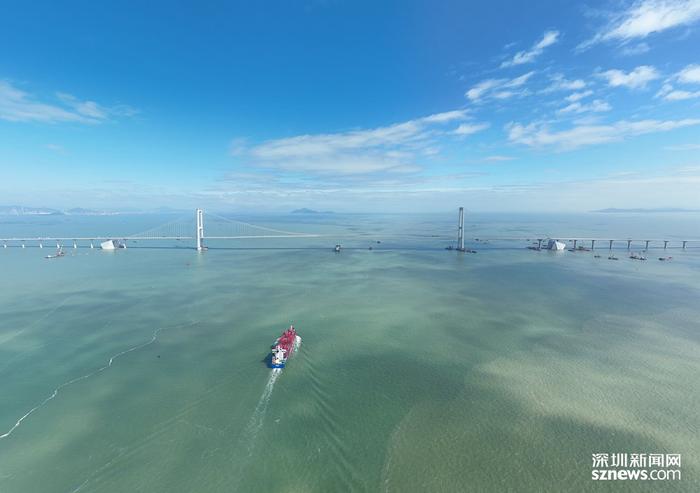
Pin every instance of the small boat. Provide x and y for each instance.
(284, 347)
(59, 253)
(337, 248)
(665, 259)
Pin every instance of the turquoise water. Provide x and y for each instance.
(420, 369)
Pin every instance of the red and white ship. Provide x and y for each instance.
(284, 347)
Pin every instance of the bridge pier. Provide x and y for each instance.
(684, 244)
(629, 244)
(75, 244)
(646, 245)
(4, 244)
(575, 244)
(611, 242)
(200, 229)
(592, 244)
(460, 230)
(23, 245)
(665, 244)
(92, 245)
(41, 245)
(539, 243)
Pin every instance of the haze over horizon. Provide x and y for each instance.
(351, 107)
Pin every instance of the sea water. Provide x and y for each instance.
(421, 369)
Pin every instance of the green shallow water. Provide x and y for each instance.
(420, 370)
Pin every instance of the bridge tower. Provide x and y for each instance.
(200, 229)
(460, 230)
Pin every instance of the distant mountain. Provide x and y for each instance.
(664, 209)
(20, 210)
(80, 211)
(304, 210)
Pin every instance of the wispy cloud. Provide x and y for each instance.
(540, 136)
(529, 56)
(636, 79)
(689, 75)
(497, 158)
(577, 96)
(633, 50)
(470, 128)
(669, 93)
(19, 106)
(498, 88)
(645, 17)
(390, 149)
(560, 83)
(595, 106)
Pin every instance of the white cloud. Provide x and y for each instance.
(560, 83)
(528, 56)
(447, 116)
(645, 17)
(636, 79)
(669, 93)
(390, 149)
(493, 88)
(519, 81)
(577, 96)
(679, 95)
(19, 106)
(577, 107)
(689, 75)
(469, 128)
(539, 135)
(478, 91)
(638, 49)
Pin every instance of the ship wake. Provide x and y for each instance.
(257, 419)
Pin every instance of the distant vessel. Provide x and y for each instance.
(59, 253)
(284, 347)
(337, 248)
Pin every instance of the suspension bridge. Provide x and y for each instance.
(191, 227)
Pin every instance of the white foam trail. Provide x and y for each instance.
(256, 420)
(83, 377)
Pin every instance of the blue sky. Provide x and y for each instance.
(351, 106)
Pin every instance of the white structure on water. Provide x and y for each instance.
(112, 245)
(555, 245)
(108, 245)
